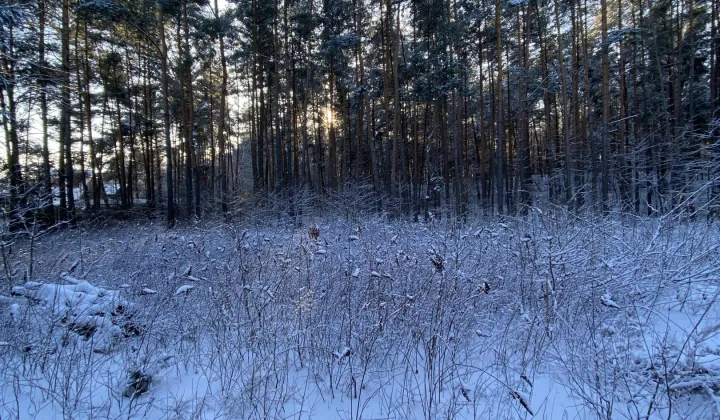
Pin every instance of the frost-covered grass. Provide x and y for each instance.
(552, 315)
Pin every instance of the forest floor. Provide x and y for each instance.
(551, 316)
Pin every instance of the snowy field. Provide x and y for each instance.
(548, 317)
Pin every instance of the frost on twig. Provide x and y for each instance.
(524, 400)
(465, 391)
(606, 300)
(184, 290)
(339, 355)
(148, 291)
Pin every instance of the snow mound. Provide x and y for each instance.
(88, 311)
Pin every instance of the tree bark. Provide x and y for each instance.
(499, 175)
(606, 108)
(65, 109)
(166, 123)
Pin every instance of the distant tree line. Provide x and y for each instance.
(443, 106)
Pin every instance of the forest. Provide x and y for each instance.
(360, 209)
(423, 108)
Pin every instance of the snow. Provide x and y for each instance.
(607, 301)
(524, 400)
(14, 310)
(185, 289)
(80, 307)
(339, 355)
(584, 314)
(32, 285)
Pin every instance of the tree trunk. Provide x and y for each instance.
(606, 108)
(42, 82)
(564, 109)
(88, 117)
(221, 124)
(623, 172)
(11, 130)
(499, 181)
(65, 110)
(166, 123)
(332, 141)
(524, 144)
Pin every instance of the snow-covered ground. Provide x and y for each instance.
(550, 317)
